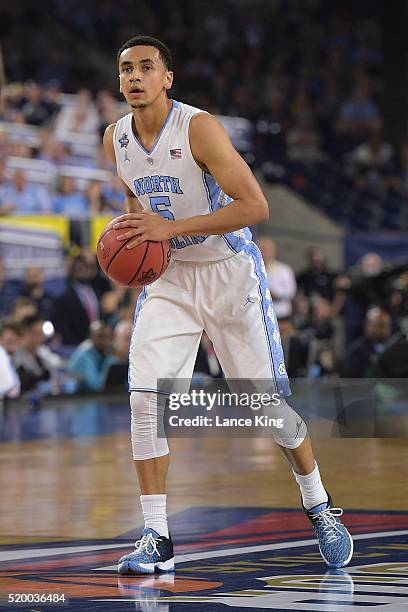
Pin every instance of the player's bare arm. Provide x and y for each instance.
(132, 204)
(214, 153)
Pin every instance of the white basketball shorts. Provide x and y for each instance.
(230, 300)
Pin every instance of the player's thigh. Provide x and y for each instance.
(245, 331)
(164, 343)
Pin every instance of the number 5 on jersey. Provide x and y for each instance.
(161, 205)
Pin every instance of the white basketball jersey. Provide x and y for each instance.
(168, 181)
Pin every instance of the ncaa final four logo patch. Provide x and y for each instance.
(123, 141)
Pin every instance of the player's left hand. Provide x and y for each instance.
(145, 225)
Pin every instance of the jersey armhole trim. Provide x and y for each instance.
(114, 138)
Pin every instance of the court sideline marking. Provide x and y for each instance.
(36, 553)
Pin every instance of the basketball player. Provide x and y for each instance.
(184, 181)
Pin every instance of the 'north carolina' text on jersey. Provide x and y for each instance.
(168, 181)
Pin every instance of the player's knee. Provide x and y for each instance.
(146, 423)
(293, 430)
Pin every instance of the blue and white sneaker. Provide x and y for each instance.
(153, 552)
(335, 542)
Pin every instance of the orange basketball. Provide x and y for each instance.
(135, 267)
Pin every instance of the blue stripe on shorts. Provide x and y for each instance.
(271, 326)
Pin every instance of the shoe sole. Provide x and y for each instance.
(344, 563)
(147, 568)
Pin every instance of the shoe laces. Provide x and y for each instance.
(147, 543)
(327, 519)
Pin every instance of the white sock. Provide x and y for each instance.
(154, 513)
(311, 488)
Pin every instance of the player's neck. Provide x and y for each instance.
(148, 121)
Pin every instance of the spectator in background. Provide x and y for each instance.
(316, 279)
(371, 265)
(9, 341)
(102, 161)
(301, 312)
(117, 376)
(81, 117)
(33, 360)
(321, 318)
(10, 332)
(78, 306)
(21, 308)
(91, 361)
(374, 159)
(303, 141)
(108, 109)
(393, 360)
(110, 304)
(34, 107)
(362, 356)
(113, 196)
(4, 144)
(20, 149)
(35, 291)
(122, 334)
(128, 305)
(116, 303)
(357, 291)
(25, 197)
(98, 280)
(51, 94)
(95, 197)
(6, 207)
(296, 348)
(9, 290)
(374, 154)
(207, 362)
(55, 152)
(69, 200)
(281, 278)
(358, 115)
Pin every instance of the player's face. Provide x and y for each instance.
(143, 76)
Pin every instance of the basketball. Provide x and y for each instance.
(135, 267)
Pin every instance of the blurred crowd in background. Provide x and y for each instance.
(66, 339)
(311, 83)
(308, 75)
(76, 339)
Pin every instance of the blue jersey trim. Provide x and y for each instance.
(207, 189)
(281, 382)
(262, 307)
(235, 243)
(174, 104)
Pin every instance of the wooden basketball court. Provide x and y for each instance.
(70, 508)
